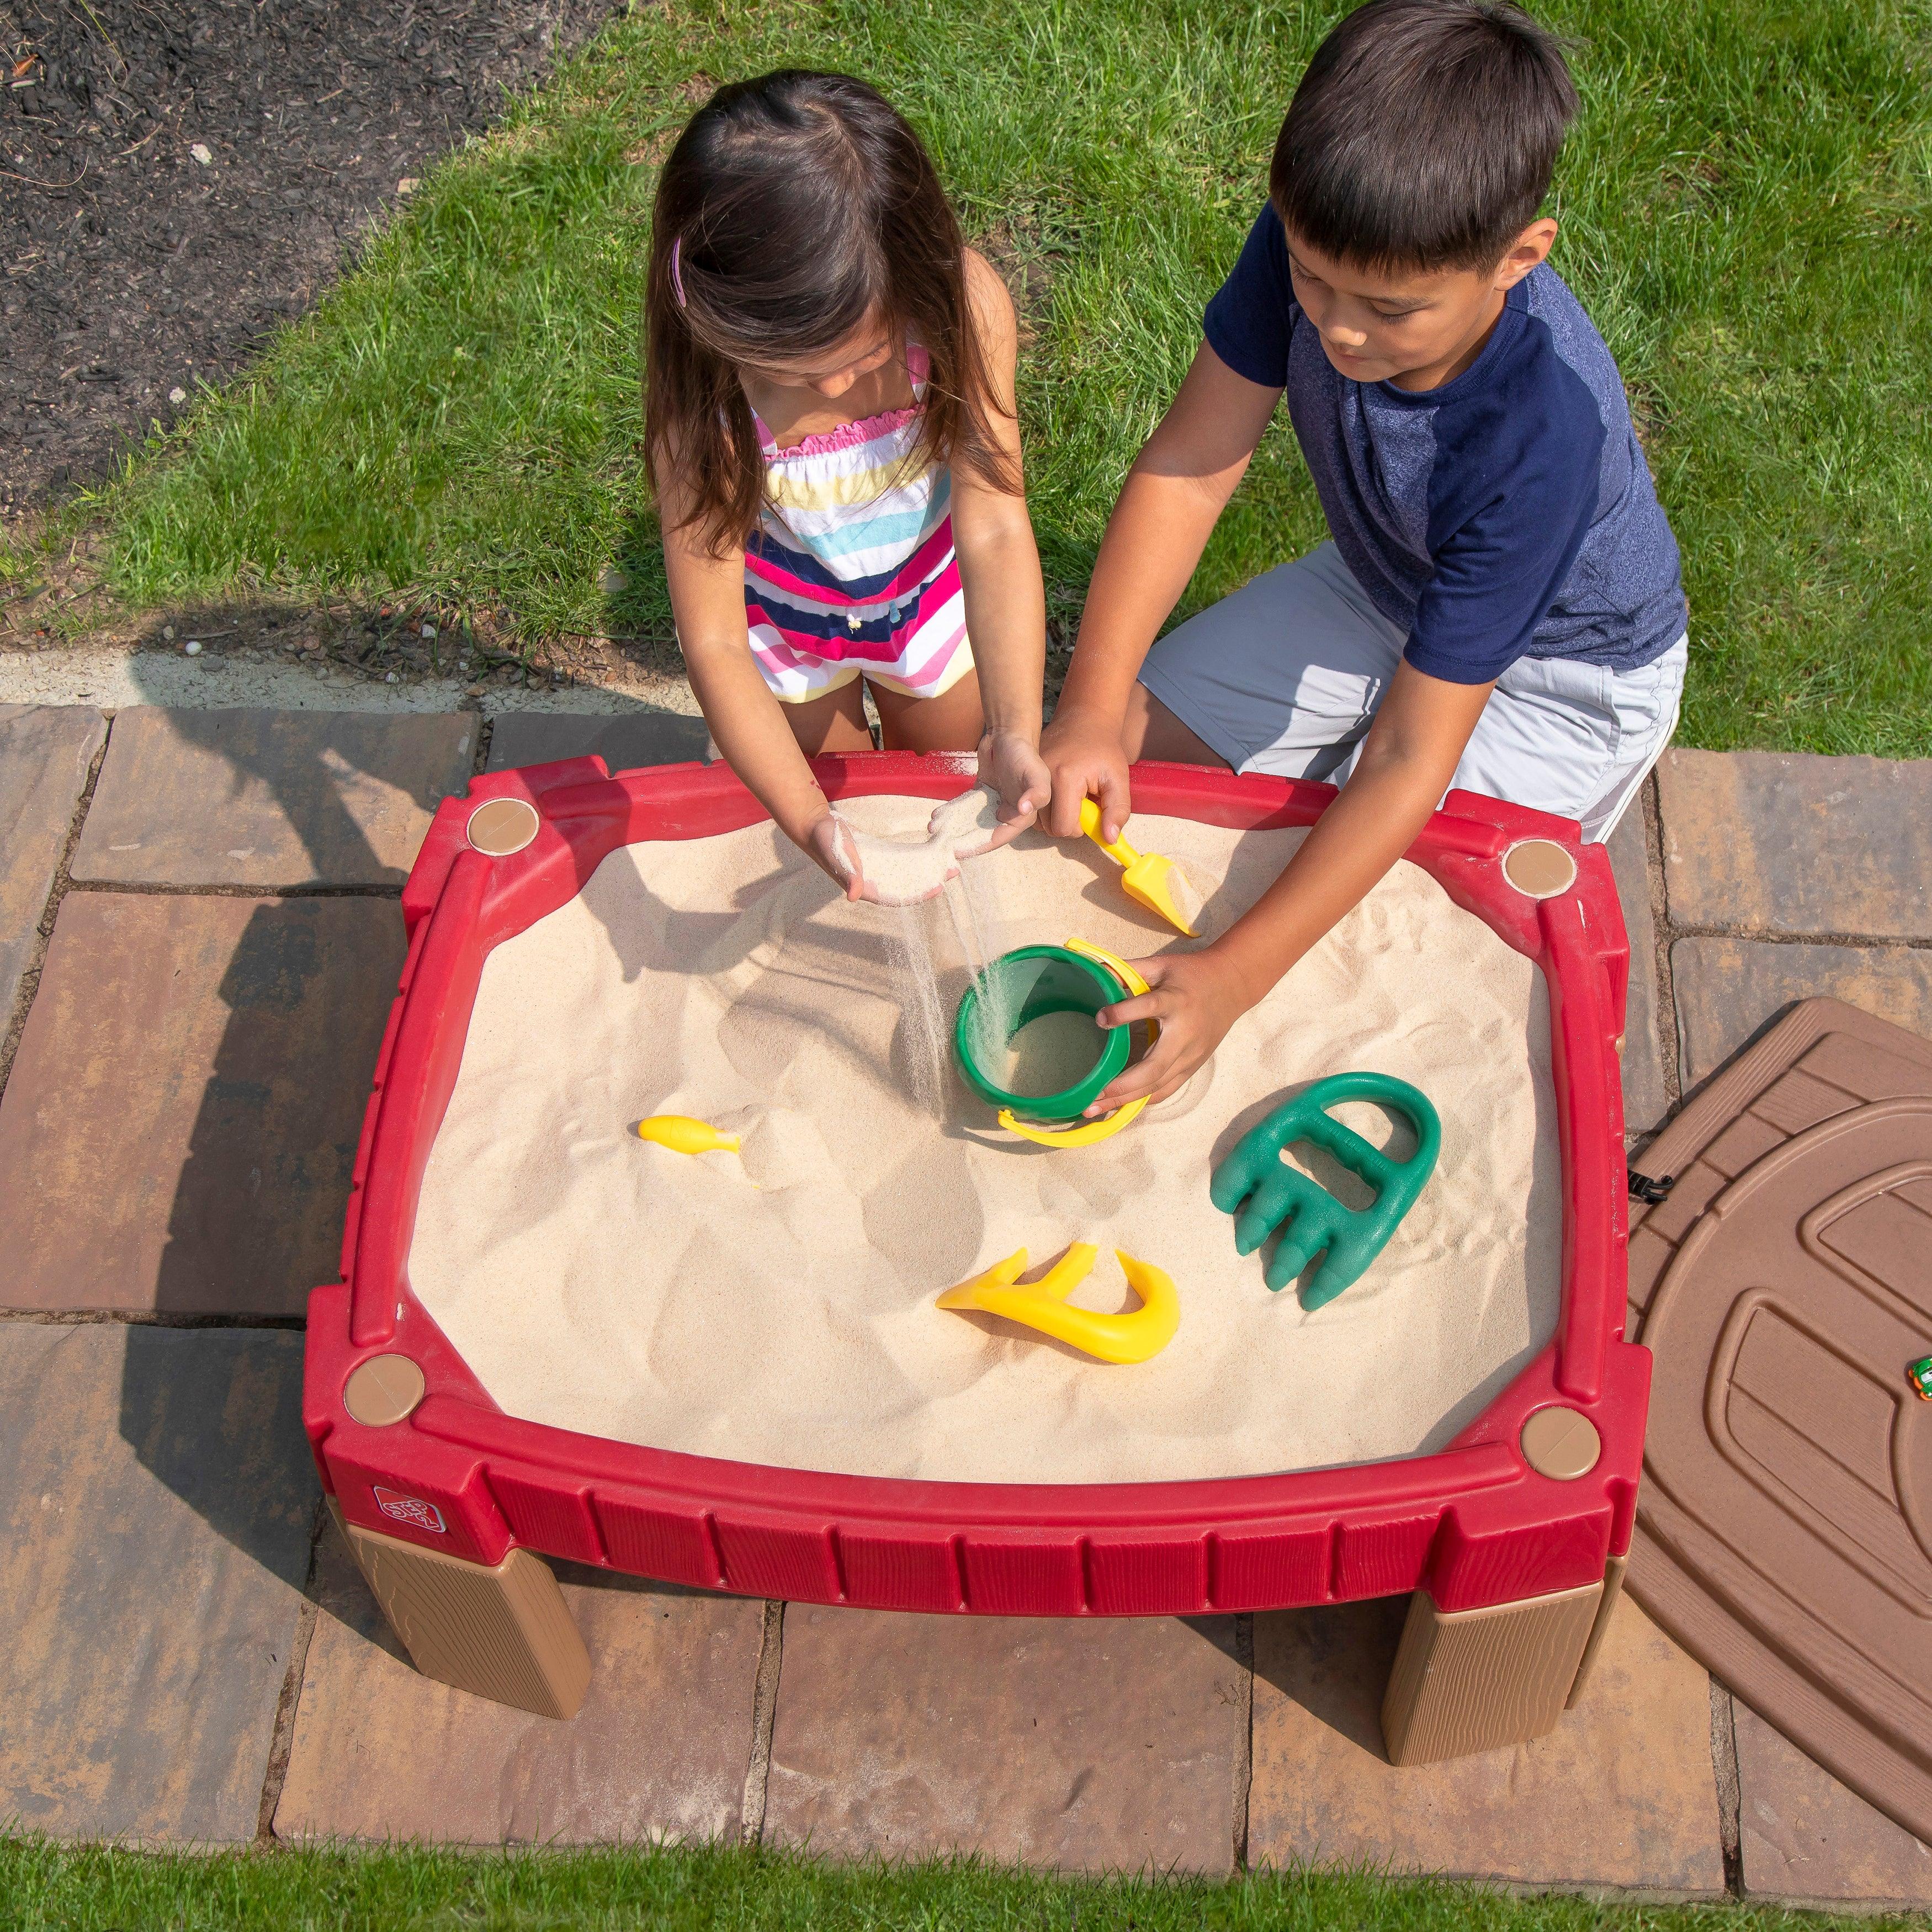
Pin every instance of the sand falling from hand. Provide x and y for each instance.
(971, 903)
(929, 1029)
(926, 1031)
(905, 873)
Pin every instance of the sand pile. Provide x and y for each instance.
(602, 1284)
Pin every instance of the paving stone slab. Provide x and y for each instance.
(1804, 1836)
(180, 1127)
(623, 741)
(158, 1497)
(1646, 1099)
(1621, 1793)
(659, 1749)
(1728, 990)
(1774, 842)
(45, 752)
(270, 799)
(1108, 1744)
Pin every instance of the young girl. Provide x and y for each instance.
(828, 411)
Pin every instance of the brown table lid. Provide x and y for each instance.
(1784, 1285)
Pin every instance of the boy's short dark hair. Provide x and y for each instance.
(1423, 134)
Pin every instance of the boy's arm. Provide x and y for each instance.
(999, 576)
(1179, 485)
(1407, 761)
(707, 599)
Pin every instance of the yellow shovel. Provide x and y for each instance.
(1156, 882)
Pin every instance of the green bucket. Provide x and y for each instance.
(1028, 984)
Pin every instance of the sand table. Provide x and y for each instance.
(602, 1284)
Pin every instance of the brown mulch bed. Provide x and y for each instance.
(130, 266)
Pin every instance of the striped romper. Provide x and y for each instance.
(850, 572)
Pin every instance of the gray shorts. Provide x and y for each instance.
(1284, 676)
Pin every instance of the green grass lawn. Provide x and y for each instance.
(91, 1889)
(1745, 211)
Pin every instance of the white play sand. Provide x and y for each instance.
(603, 1284)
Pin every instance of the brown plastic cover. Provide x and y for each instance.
(1784, 1529)
(384, 1390)
(503, 826)
(1539, 867)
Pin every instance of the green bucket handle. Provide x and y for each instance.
(1348, 1238)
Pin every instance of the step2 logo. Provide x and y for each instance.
(411, 1510)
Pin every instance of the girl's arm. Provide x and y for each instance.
(999, 572)
(1179, 485)
(707, 599)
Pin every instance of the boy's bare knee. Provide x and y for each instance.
(1151, 731)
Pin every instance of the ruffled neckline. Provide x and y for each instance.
(843, 437)
(862, 430)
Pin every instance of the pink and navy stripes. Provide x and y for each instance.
(851, 569)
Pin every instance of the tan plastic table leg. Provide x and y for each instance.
(1613, 1588)
(1467, 1681)
(504, 1634)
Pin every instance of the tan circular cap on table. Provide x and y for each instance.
(383, 1390)
(503, 826)
(1560, 1443)
(1539, 868)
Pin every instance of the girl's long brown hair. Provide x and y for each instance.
(797, 205)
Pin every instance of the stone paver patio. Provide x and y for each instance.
(199, 940)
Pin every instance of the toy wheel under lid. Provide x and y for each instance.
(1036, 981)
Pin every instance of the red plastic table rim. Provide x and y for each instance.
(1473, 1522)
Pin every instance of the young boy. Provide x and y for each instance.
(1500, 607)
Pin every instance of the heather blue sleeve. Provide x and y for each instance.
(1250, 321)
(1512, 495)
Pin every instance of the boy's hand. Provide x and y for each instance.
(1083, 754)
(1010, 767)
(1196, 997)
(1409, 757)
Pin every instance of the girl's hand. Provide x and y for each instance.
(1011, 767)
(1196, 998)
(829, 844)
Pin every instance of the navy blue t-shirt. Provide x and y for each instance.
(1509, 513)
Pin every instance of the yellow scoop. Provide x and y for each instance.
(1135, 1337)
(683, 1135)
(1157, 884)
